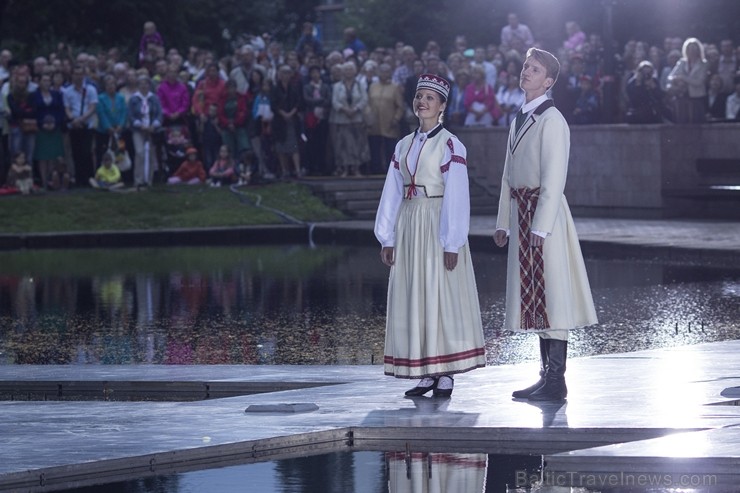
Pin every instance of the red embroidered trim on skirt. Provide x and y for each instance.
(434, 360)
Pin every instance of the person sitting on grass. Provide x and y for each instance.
(20, 174)
(245, 172)
(190, 172)
(108, 176)
(59, 175)
(222, 172)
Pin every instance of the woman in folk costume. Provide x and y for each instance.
(433, 327)
(547, 290)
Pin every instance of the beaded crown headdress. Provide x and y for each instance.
(435, 83)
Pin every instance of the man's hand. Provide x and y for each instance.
(500, 238)
(536, 240)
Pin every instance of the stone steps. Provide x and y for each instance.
(358, 197)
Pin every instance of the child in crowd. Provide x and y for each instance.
(150, 37)
(177, 140)
(245, 171)
(176, 144)
(222, 172)
(211, 135)
(59, 175)
(20, 174)
(190, 172)
(108, 176)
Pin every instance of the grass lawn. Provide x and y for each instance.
(159, 207)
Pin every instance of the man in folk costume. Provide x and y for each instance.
(433, 327)
(547, 290)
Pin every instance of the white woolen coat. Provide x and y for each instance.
(537, 156)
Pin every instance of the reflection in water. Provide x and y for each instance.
(297, 305)
(351, 472)
(431, 473)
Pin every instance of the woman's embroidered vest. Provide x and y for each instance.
(427, 181)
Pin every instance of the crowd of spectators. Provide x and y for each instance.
(267, 112)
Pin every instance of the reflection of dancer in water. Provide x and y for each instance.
(547, 290)
(421, 472)
(433, 328)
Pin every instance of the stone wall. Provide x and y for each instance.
(619, 170)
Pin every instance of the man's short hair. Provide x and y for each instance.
(548, 60)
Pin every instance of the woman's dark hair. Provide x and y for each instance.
(259, 74)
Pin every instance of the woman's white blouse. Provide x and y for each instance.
(455, 215)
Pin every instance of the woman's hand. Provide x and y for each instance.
(386, 255)
(450, 260)
(500, 238)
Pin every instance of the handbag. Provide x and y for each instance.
(29, 125)
(310, 120)
(264, 111)
(122, 159)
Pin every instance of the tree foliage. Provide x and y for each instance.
(383, 22)
(31, 27)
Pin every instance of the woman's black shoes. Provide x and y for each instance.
(444, 386)
(425, 385)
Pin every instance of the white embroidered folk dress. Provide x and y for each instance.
(537, 156)
(433, 323)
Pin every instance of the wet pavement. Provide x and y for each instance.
(670, 411)
(632, 397)
(696, 236)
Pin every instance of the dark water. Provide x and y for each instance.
(349, 472)
(403, 472)
(297, 305)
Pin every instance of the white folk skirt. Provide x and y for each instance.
(434, 323)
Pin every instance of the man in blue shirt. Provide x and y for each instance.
(352, 42)
(80, 104)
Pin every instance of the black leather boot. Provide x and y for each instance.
(554, 388)
(524, 393)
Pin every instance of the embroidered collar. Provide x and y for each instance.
(432, 133)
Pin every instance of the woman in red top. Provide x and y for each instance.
(233, 119)
(480, 101)
(208, 92)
